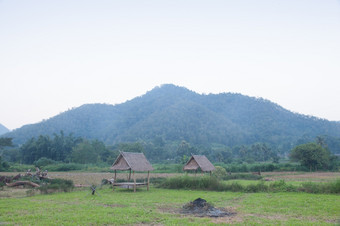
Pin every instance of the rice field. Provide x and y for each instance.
(163, 207)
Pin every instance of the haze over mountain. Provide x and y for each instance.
(3, 129)
(176, 113)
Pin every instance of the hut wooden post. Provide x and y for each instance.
(147, 188)
(114, 180)
(130, 175)
(134, 180)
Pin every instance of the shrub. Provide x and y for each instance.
(20, 167)
(259, 187)
(220, 172)
(64, 167)
(213, 184)
(234, 187)
(310, 187)
(335, 187)
(44, 162)
(281, 186)
(49, 185)
(330, 187)
(243, 176)
(187, 182)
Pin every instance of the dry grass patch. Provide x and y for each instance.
(7, 192)
(303, 176)
(86, 178)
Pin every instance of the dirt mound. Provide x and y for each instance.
(202, 208)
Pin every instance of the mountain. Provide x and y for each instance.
(176, 113)
(3, 129)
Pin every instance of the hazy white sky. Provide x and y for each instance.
(55, 55)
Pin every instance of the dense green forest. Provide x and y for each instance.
(66, 152)
(170, 123)
(62, 148)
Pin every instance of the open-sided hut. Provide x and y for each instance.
(132, 162)
(199, 162)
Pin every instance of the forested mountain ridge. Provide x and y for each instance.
(3, 129)
(176, 113)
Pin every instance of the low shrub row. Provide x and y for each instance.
(213, 184)
(262, 167)
(53, 185)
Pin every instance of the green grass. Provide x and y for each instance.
(254, 182)
(213, 184)
(161, 206)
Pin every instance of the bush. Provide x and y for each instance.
(259, 187)
(219, 172)
(212, 184)
(20, 167)
(64, 167)
(281, 186)
(330, 187)
(310, 187)
(334, 187)
(44, 162)
(196, 183)
(234, 187)
(243, 176)
(52, 185)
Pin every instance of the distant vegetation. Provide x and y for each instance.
(169, 124)
(171, 114)
(67, 153)
(3, 129)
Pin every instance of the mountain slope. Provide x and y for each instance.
(3, 129)
(176, 113)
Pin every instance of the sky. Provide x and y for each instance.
(58, 55)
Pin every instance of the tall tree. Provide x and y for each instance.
(84, 153)
(311, 155)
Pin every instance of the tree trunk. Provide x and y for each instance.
(148, 180)
(18, 183)
(134, 180)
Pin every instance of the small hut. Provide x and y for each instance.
(132, 162)
(199, 162)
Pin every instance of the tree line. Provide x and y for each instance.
(176, 114)
(63, 148)
(69, 148)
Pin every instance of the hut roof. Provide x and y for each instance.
(133, 161)
(199, 161)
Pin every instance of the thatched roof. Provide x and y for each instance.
(133, 161)
(199, 161)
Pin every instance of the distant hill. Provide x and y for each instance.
(3, 129)
(176, 113)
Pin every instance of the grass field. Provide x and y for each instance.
(162, 206)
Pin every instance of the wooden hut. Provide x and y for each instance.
(132, 162)
(199, 162)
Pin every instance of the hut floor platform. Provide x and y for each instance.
(128, 184)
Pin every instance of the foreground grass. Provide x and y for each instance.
(161, 206)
